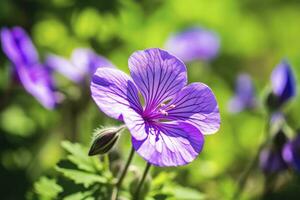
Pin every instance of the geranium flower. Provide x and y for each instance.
(194, 44)
(82, 64)
(291, 153)
(35, 77)
(283, 83)
(244, 97)
(168, 128)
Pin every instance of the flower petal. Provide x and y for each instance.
(283, 81)
(196, 104)
(88, 60)
(114, 92)
(18, 46)
(194, 44)
(158, 75)
(65, 67)
(244, 95)
(38, 83)
(169, 144)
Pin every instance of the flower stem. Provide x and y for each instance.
(119, 183)
(138, 189)
(106, 162)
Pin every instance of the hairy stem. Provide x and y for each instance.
(138, 189)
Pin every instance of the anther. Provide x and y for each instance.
(163, 112)
(172, 106)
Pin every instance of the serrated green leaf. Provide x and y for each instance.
(79, 177)
(79, 157)
(47, 189)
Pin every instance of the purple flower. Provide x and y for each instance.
(35, 78)
(83, 62)
(194, 44)
(291, 153)
(244, 97)
(167, 130)
(271, 160)
(283, 83)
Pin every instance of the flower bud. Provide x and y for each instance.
(283, 86)
(291, 153)
(271, 160)
(104, 140)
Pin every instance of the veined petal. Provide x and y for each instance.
(158, 75)
(169, 144)
(65, 67)
(196, 104)
(114, 92)
(18, 46)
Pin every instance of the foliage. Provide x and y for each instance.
(96, 181)
(255, 35)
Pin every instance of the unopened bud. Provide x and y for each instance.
(104, 140)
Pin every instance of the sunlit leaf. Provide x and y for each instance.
(79, 156)
(47, 189)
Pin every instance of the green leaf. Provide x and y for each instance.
(79, 157)
(47, 188)
(80, 195)
(80, 177)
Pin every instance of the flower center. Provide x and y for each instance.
(164, 111)
(158, 114)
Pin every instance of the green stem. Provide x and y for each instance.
(106, 162)
(138, 189)
(119, 183)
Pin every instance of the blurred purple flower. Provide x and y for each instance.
(168, 129)
(194, 44)
(83, 63)
(271, 160)
(283, 83)
(35, 77)
(291, 153)
(244, 97)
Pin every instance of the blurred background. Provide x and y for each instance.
(254, 37)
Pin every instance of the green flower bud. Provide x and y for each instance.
(104, 140)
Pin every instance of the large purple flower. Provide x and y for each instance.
(194, 44)
(244, 95)
(291, 153)
(283, 83)
(83, 62)
(167, 130)
(36, 78)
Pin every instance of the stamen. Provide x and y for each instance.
(163, 112)
(172, 106)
